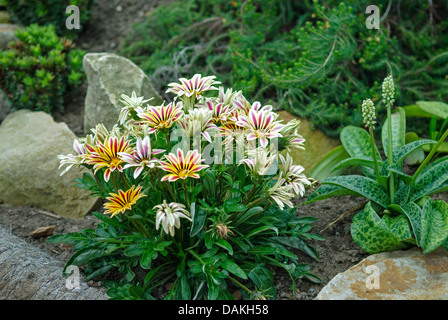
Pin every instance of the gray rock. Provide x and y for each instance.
(4, 107)
(7, 34)
(397, 275)
(109, 76)
(29, 145)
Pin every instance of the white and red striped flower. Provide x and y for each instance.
(70, 160)
(260, 125)
(293, 175)
(182, 166)
(198, 121)
(141, 156)
(161, 117)
(194, 86)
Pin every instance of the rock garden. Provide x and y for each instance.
(223, 150)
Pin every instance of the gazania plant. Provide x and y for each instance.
(198, 198)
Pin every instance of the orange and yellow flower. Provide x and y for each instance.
(106, 155)
(123, 200)
(182, 166)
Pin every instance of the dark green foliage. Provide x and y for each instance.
(45, 12)
(317, 60)
(39, 69)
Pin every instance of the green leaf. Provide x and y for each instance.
(357, 142)
(414, 214)
(362, 185)
(236, 207)
(260, 230)
(232, 267)
(325, 168)
(183, 291)
(357, 161)
(430, 181)
(147, 257)
(436, 108)
(248, 214)
(272, 251)
(328, 191)
(225, 245)
(198, 218)
(443, 148)
(263, 280)
(299, 244)
(417, 156)
(400, 227)
(401, 197)
(372, 234)
(110, 221)
(434, 225)
(415, 111)
(402, 152)
(398, 131)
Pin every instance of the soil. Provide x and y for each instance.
(111, 21)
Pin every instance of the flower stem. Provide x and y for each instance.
(372, 142)
(186, 194)
(240, 284)
(125, 181)
(390, 151)
(169, 190)
(429, 157)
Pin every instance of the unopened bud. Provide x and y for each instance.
(368, 113)
(388, 90)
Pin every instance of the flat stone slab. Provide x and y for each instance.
(397, 275)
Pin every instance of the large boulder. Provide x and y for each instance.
(29, 145)
(397, 275)
(317, 144)
(109, 76)
(7, 34)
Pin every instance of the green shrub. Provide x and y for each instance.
(315, 59)
(39, 69)
(44, 12)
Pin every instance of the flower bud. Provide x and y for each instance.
(388, 90)
(368, 113)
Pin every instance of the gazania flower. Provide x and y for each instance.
(130, 103)
(141, 157)
(196, 122)
(260, 161)
(123, 201)
(291, 137)
(293, 175)
(260, 125)
(228, 96)
(70, 160)
(219, 110)
(281, 193)
(169, 214)
(182, 167)
(241, 104)
(161, 117)
(195, 86)
(106, 155)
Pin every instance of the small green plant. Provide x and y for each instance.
(399, 212)
(39, 69)
(49, 12)
(194, 197)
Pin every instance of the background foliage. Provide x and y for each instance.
(45, 12)
(39, 69)
(315, 59)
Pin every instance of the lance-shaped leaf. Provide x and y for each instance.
(357, 142)
(430, 181)
(402, 152)
(414, 214)
(398, 131)
(400, 227)
(357, 161)
(434, 225)
(329, 191)
(364, 186)
(325, 167)
(372, 234)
